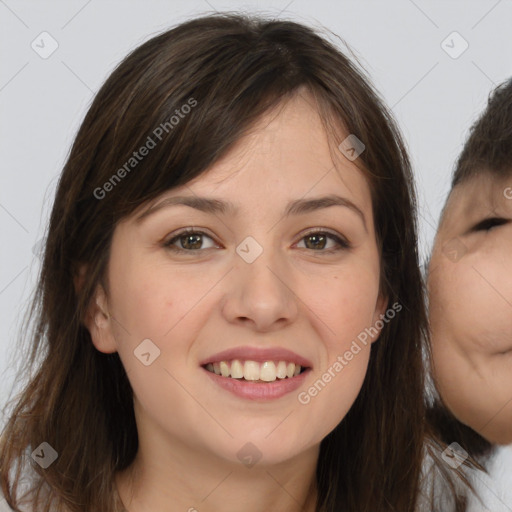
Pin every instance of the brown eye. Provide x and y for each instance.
(188, 241)
(318, 240)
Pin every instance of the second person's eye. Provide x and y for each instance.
(489, 223)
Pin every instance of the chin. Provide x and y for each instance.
(252, 450)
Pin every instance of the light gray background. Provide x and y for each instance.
(434, 97)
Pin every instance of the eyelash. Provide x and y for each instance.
(343, 244)
(487, 224)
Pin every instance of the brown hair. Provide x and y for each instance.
(488, 148)
(236, 68)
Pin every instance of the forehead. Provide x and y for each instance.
(286, 152)
(286, 163)
(483, 194)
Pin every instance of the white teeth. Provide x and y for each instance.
(281, 370)
(251, 370)
(237, 369)
(267, 371)
(224, 369)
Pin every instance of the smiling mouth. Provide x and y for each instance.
(253, 371)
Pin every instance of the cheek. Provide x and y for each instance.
(150, 310)
(483, 401)
(140, 299)
(470, 320)
(151, 299)
(477, 308)
(158, 317)
(457, 323)
(492, 292)
(347, 306)
(331, 395)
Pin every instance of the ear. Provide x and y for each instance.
(379, 317)
(99, 323)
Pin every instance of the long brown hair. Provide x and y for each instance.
(235, 68)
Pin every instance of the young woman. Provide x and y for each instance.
(230, 312)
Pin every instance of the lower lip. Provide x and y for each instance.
(259, 390)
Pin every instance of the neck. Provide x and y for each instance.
(193, 481)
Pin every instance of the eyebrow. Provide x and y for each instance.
(216, 206)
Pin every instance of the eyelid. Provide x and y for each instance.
(488, 223)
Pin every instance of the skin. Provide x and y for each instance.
(470, 297)
(294, 295)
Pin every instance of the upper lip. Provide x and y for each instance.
(257, 354)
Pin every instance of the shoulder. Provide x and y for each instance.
(3, 504)
(494, 488)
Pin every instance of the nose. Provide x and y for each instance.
(260, 294)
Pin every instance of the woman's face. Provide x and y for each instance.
(271, 278)
(470, 288)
